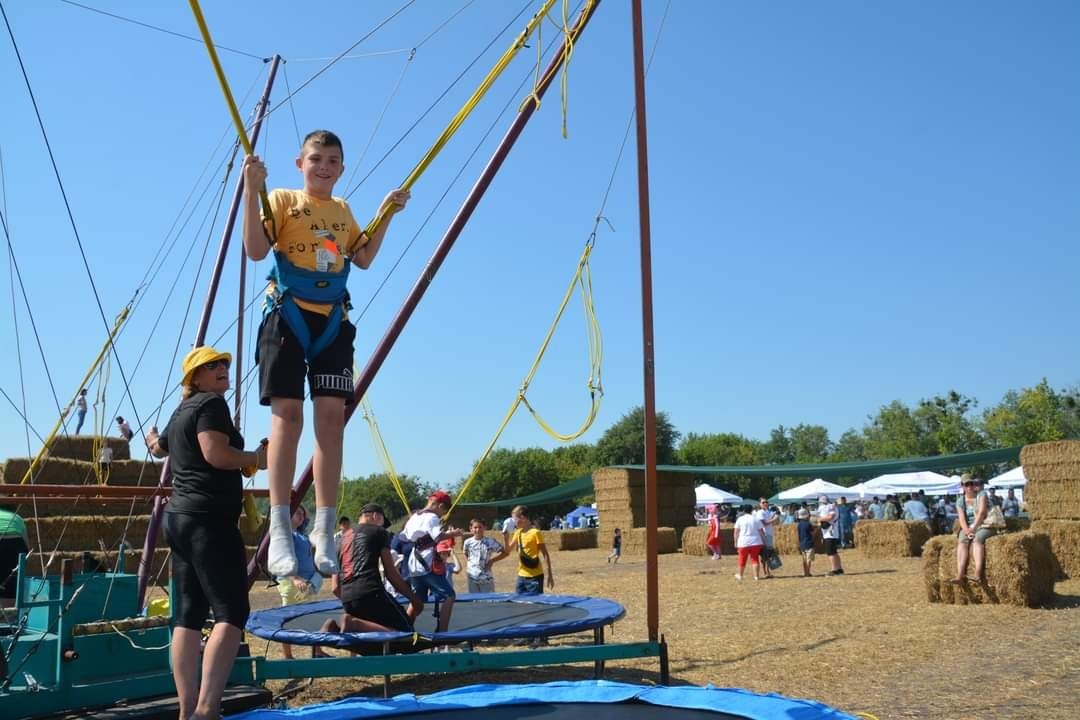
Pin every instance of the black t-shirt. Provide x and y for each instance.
(199, 487)
(361, 547)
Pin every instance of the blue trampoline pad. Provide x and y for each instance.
(586, 700)
(478, 617)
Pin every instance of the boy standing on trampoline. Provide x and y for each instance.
(305, 329)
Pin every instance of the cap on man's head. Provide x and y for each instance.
(372, 508)
(441, 496)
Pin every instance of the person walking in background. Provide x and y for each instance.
(479, 550)
(1011, 506)
(616, 547)
(80, 410)
(124, 429)
(749, 541)
(714, 542)
(806, 541)
(768, 519)
(830, 533)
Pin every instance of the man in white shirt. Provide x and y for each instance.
(915, 510)
(749, 541)
(830, 533)
(427, 572)
(768, 519)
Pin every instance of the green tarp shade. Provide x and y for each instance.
(864, 469)
(566, 491)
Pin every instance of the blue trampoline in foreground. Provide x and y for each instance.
(586, 700)
(475, 618)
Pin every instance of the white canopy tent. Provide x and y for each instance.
(812, 490)
(709, 495)
(929, 482)
(1015, 478)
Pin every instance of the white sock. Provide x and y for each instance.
(281, 559)
(323, 539)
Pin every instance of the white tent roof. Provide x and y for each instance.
(812, 491)
(709, 495)
(931, 483)
(1015, 478)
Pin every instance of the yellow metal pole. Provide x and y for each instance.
(86, 378)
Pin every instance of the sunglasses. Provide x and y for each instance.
(215, 364)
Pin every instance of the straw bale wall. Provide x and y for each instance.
(693, 540)
(786, 539)
(667, 541)
(1053, 487)
(620, 499)
(571, 539)
(62, 471)
(81, 447)
(76, 534)
(1019, 571)
(891, 538)
(1064, 544)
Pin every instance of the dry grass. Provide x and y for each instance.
(1020, 570)
(891, 538)
(805, 637)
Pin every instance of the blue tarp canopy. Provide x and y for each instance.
(580, 511)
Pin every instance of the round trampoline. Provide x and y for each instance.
(585, 700)
(475, 618)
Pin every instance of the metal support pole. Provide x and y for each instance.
(381, 352)
(200, 336)
(652, 587)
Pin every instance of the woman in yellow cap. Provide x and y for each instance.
(206, 454)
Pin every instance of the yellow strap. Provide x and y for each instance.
(582, 279)
(383, 453)
(466, 109)
(241, 131)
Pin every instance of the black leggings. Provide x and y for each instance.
(209, 570)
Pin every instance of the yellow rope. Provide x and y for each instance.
(383, 453)
(241, 131)
(467, 108)
(582, 279)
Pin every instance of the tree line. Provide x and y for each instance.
(940, 425)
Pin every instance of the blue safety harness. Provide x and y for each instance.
(325, 288)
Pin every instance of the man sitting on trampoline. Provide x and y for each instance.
(368, 607)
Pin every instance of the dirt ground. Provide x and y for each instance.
(864, 642)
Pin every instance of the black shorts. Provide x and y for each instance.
(378, 607)
(831, 544)
(209, 570)
(282, 366)
(10, 547)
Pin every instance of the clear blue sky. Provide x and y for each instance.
(852, 203)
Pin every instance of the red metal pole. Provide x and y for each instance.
(200, 336)
(363, 382)
(652, 587)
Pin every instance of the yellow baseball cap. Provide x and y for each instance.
(199, 357)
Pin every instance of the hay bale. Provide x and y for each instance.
(1064, 544)
(667, 541)
(620, 498)
(63, 471)
(786, 539)
(1019, 571)
(76, 534)
(1053, 472)
(693, 540)
(571, 539)
(81, 447)
(891, 538)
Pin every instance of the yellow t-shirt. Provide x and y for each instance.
(531, 541)
(314, 234)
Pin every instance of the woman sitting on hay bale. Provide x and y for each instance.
(973, 510)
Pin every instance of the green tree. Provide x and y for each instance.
(573, 461)
(810, 443)
(624, 442)
(1036, 414)
(851, 447)
(724, 449)
(777, 450)
(944, 420)
(895, 433)
(509, 474)
(377, 488)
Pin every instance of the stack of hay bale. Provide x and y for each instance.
(891, 538)
(1052, 496)
(620, 500)
(786, 539)
(1019, 571)
(570, 539)
(693, 540)
(667, 541)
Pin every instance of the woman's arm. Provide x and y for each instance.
(980, 514)
(152, 445)
(219, 453)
